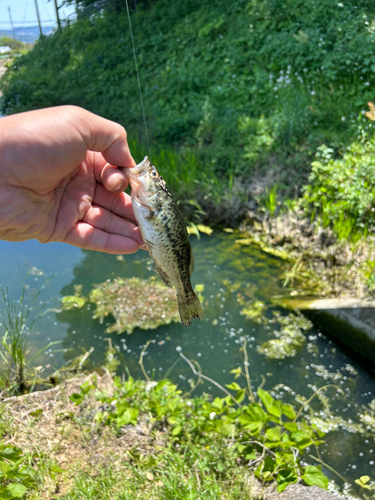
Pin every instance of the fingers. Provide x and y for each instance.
(119, 204)
(104, 136)
(105, 220)
(113, 179)
(85, 236)
(110, 176)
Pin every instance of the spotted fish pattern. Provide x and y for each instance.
(164, 233)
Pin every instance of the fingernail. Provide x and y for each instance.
(118, 185)
(143, 247)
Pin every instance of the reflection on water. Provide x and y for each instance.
(215, 342)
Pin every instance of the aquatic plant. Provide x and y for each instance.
(17, 321)
(134, 302)
(254, 309)
(75, 301)
(289, 339)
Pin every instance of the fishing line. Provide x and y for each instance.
(139, 80)
(24, 17)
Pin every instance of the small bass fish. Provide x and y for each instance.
(164, 233)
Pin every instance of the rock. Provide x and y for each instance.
(255, 488)
(292, 492)
(300, 492)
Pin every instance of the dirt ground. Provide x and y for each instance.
(49, 423)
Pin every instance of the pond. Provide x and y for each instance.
(227, 269)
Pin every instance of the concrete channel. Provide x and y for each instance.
(351, 321)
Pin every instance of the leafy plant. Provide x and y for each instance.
(265, 433)
(271, 199)
(234, 86)
(16, 478)
(341, 190)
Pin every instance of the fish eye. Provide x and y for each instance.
(154, 174)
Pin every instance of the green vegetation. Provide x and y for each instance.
(132, 302)
(235, 84)
(289, 336)
(263, 433)
(16, 478)
(18, 318)
(172, 478)
(235, 89)
(17, 47)
(341, 190)
(153, 440)
(217, 79)
(191, 445)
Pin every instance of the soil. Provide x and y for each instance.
(49, 421)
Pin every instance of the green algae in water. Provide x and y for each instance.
(367, 418)
(72, 302)
(253, 310)
(75, 301)
(134, 302)
(289, 339)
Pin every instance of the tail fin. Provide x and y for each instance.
(189, 309)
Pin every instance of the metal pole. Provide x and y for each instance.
(37, 13)
(57, 14)
(11, 23)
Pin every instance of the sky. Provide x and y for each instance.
(24, 14)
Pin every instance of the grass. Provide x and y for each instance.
(271, 199)
(18, 318)
(110, 438)
(202, 195)
(72, 457)
(172, 479)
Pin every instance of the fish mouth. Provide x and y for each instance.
(139, 169)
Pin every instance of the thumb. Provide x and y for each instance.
(105, 136)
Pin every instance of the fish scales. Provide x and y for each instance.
(165, 236)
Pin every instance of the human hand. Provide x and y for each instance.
(59, 180)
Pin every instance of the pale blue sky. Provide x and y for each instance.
(24, 13)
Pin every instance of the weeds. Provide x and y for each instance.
(256, 429)
(201, 194)
(18, 319)
(155, 442)
(172, 478)
(271, 199)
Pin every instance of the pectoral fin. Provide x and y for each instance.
(166, 280)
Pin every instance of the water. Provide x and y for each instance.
(215, 342)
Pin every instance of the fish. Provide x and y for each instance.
(165, 235)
